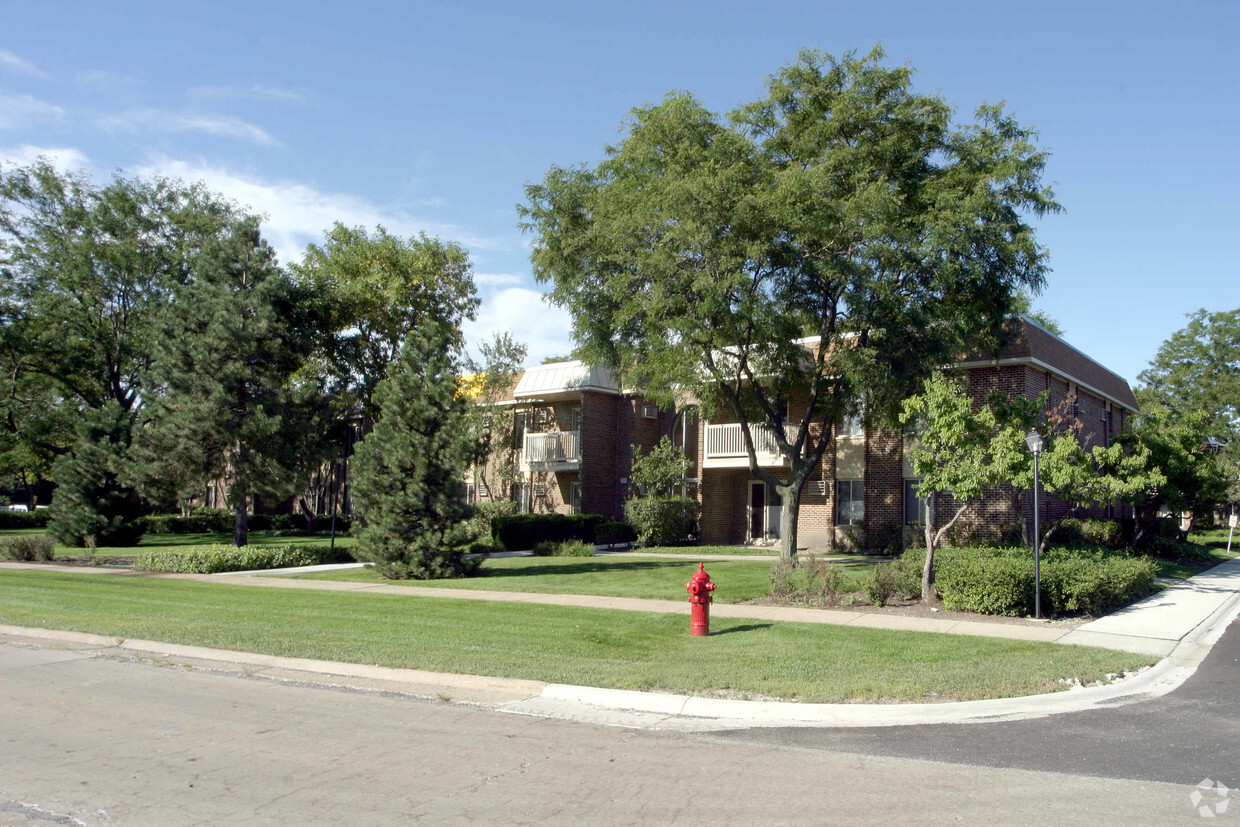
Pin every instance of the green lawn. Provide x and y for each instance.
(168, 541)
(737, 580)
(628, 650)
(690, 551)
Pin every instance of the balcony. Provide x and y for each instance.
(555, 451)
(725, 446)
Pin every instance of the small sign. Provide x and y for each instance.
(1234, 521)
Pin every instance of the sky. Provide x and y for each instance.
(433, 117)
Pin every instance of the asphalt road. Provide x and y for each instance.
(1182, 738)
(89, 739)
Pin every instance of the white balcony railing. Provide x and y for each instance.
(727, 442)
(551, 449)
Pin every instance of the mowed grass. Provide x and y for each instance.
(155, 542)
(626, 650)
(736, 581)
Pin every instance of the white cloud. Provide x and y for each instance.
(496, 279)
(17, 110)
(545, 330)
(156, 120)
(8, 60)
(65, 159)
(104, 81)
(298, 214)
(274, 94)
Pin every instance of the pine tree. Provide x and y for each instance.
(232, 339)
(409, 477)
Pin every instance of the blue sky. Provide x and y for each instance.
(434, 116)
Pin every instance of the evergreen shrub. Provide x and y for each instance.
(518, 532)
(220, 557)
(663, 521)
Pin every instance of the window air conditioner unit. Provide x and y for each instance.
(540, 491)
(650, 412)
(541, 416)
(821, 487)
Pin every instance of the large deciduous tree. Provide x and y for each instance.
(380, 288)
(83, 271)
(842, 206)
(1193, 385)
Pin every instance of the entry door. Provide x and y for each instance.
(765, 508)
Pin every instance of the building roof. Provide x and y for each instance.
(561, 378)
(1035, 345)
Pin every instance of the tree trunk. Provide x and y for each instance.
(241, 522)
(788, 522)
(927, 569)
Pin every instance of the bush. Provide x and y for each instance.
(1092, 532)
(1001, 581)
(218, 558)
(662, 521)
(24, 519)
(566, 548)
(984, 581)
(28, 548)
(200, 521)
(814, 583)
(482, 521)
(613, 533)
(223, 521)
(1095, 584)
(522, 531)
(899, 578)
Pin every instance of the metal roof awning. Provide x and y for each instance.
(563, 379)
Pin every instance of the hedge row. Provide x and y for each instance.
(518, 532)
(217, 558)
(1001, 581)
(222, 521)
(24, 519)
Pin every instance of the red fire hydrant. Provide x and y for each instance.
(699, 587)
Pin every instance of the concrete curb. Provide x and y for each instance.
(649, 710)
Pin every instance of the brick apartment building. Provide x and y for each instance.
(573, 428)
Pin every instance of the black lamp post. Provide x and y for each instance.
(1034, 440)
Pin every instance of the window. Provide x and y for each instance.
(521, 423)
(574, 497)
(574, 419)
(521, 493)
(469, 492)
(914, 505)
(849, 502)
(852, 424)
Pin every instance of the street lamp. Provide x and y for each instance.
(1034, 440)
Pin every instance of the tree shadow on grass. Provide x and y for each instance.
(748, 627)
